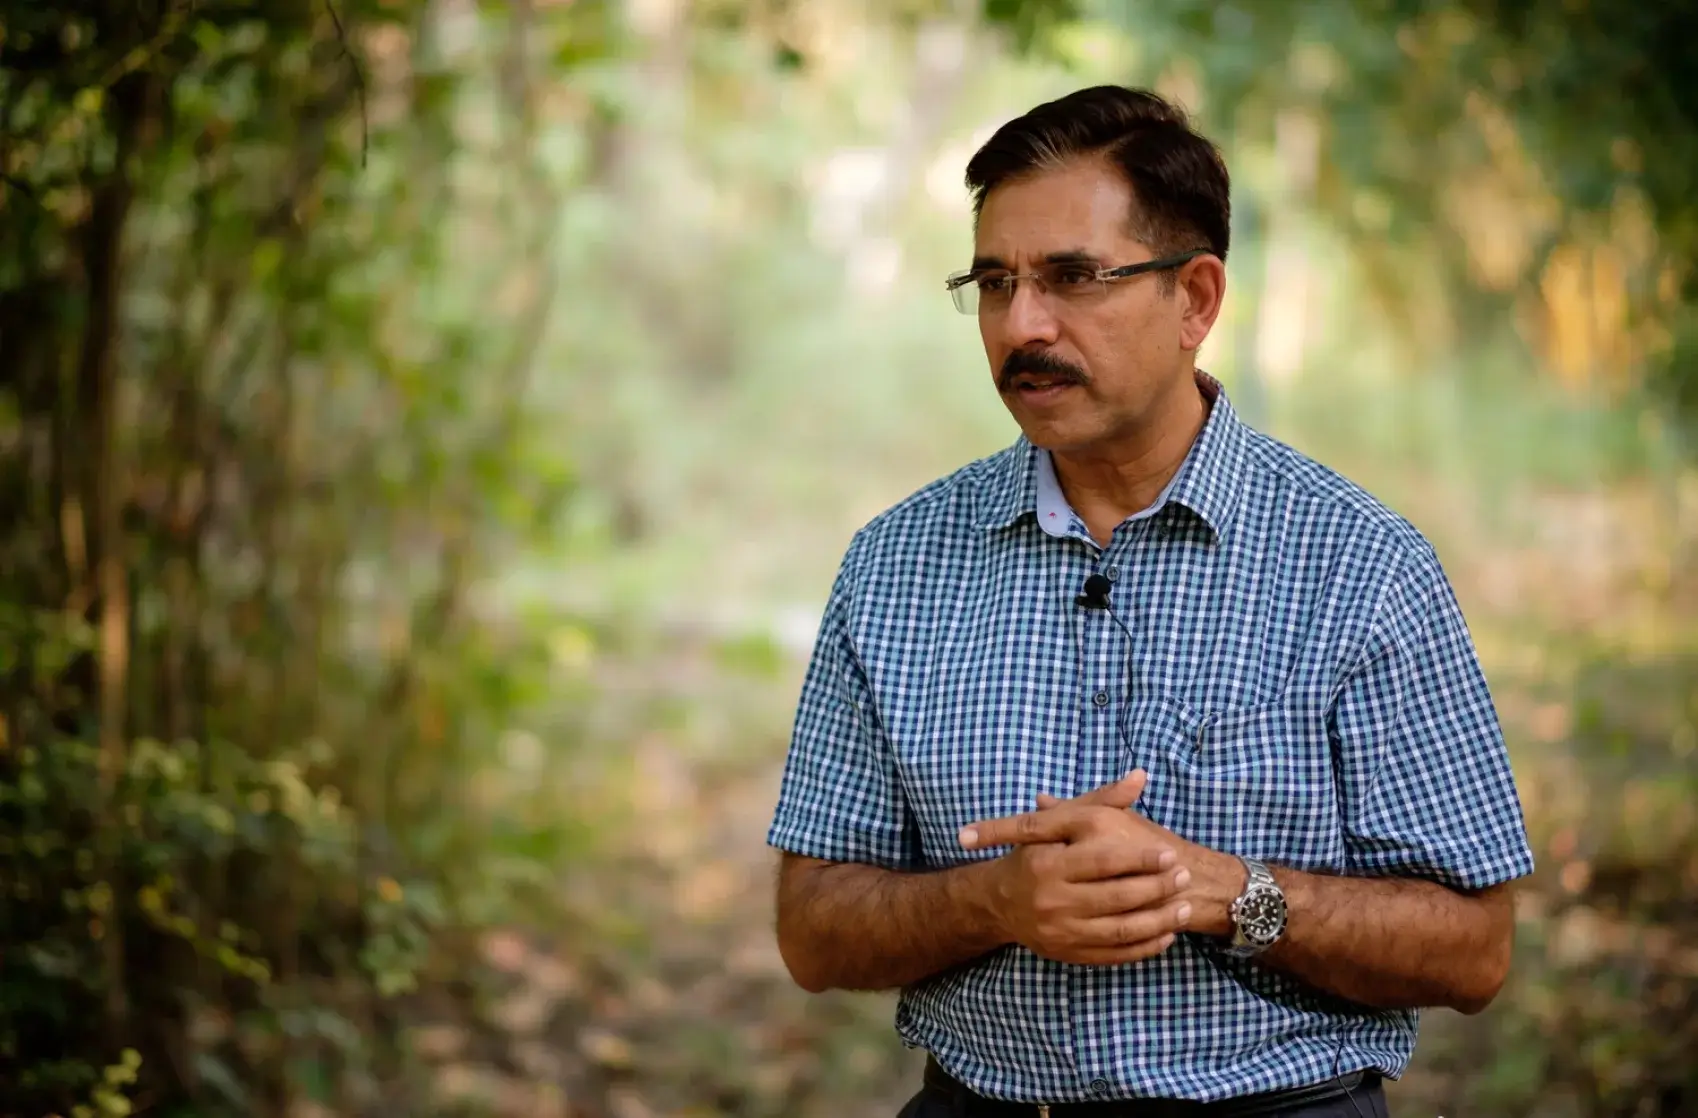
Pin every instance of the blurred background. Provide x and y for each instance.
(429, 429)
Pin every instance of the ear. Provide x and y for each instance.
(1202, 290)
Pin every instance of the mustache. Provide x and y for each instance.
(1029, 361)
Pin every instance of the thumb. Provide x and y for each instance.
(1123, 793)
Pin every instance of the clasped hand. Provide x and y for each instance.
(1088, 881)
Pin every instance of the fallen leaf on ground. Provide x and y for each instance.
(605, 1048)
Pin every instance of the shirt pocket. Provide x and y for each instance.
(1253, 781)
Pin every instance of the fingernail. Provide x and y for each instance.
(1184, 914)
(1182, 878)
(1166, 858)
(969, 836)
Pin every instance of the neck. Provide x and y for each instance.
(1105, 484)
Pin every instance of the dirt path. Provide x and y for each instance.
(665, 995)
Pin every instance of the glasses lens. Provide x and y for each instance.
(994, 291)
(964, 292)
(1072, 281)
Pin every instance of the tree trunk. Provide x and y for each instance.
(98, 459)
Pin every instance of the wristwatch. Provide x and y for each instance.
(1258, 915)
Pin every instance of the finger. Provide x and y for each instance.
(1062, 823)
(1129, 928)
(1130, 894)
(1122, 794)
(1121, 858)
(1120, 956)
(1046, 801)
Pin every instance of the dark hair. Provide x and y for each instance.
(1181, 190)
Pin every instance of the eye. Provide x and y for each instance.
(1073, 275)
(993, 283)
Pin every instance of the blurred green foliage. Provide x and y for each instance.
(262, 445)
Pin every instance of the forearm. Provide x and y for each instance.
(1390, 943)
(856, 927)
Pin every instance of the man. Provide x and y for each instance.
(1149, 759)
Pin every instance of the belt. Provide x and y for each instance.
(967, 1103)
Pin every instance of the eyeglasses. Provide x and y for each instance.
(1071, 282)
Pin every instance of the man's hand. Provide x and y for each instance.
(1088, 882)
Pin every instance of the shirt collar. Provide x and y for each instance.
(1207, 482)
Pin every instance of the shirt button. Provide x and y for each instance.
(1113, 574)
(1100, 698)
(1099, 1087)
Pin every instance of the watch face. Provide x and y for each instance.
(1261, 915)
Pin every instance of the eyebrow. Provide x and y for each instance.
(1071, 256)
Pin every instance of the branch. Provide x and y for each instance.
(137, 57)
(359, 79)
(22, 188)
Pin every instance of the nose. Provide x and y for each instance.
(1028, 321)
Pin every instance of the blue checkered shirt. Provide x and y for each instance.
(1299, 683)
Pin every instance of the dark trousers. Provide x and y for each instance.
(1366, 1101)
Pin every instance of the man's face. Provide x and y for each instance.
(1080, 372)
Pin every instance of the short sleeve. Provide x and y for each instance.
(1428, 790)
(841, 799)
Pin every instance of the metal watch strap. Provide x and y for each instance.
(1259, 873)
(1259, 886)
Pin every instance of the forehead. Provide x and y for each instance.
(1082, 205)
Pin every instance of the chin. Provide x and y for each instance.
(1054, 437)
(1073, 424)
